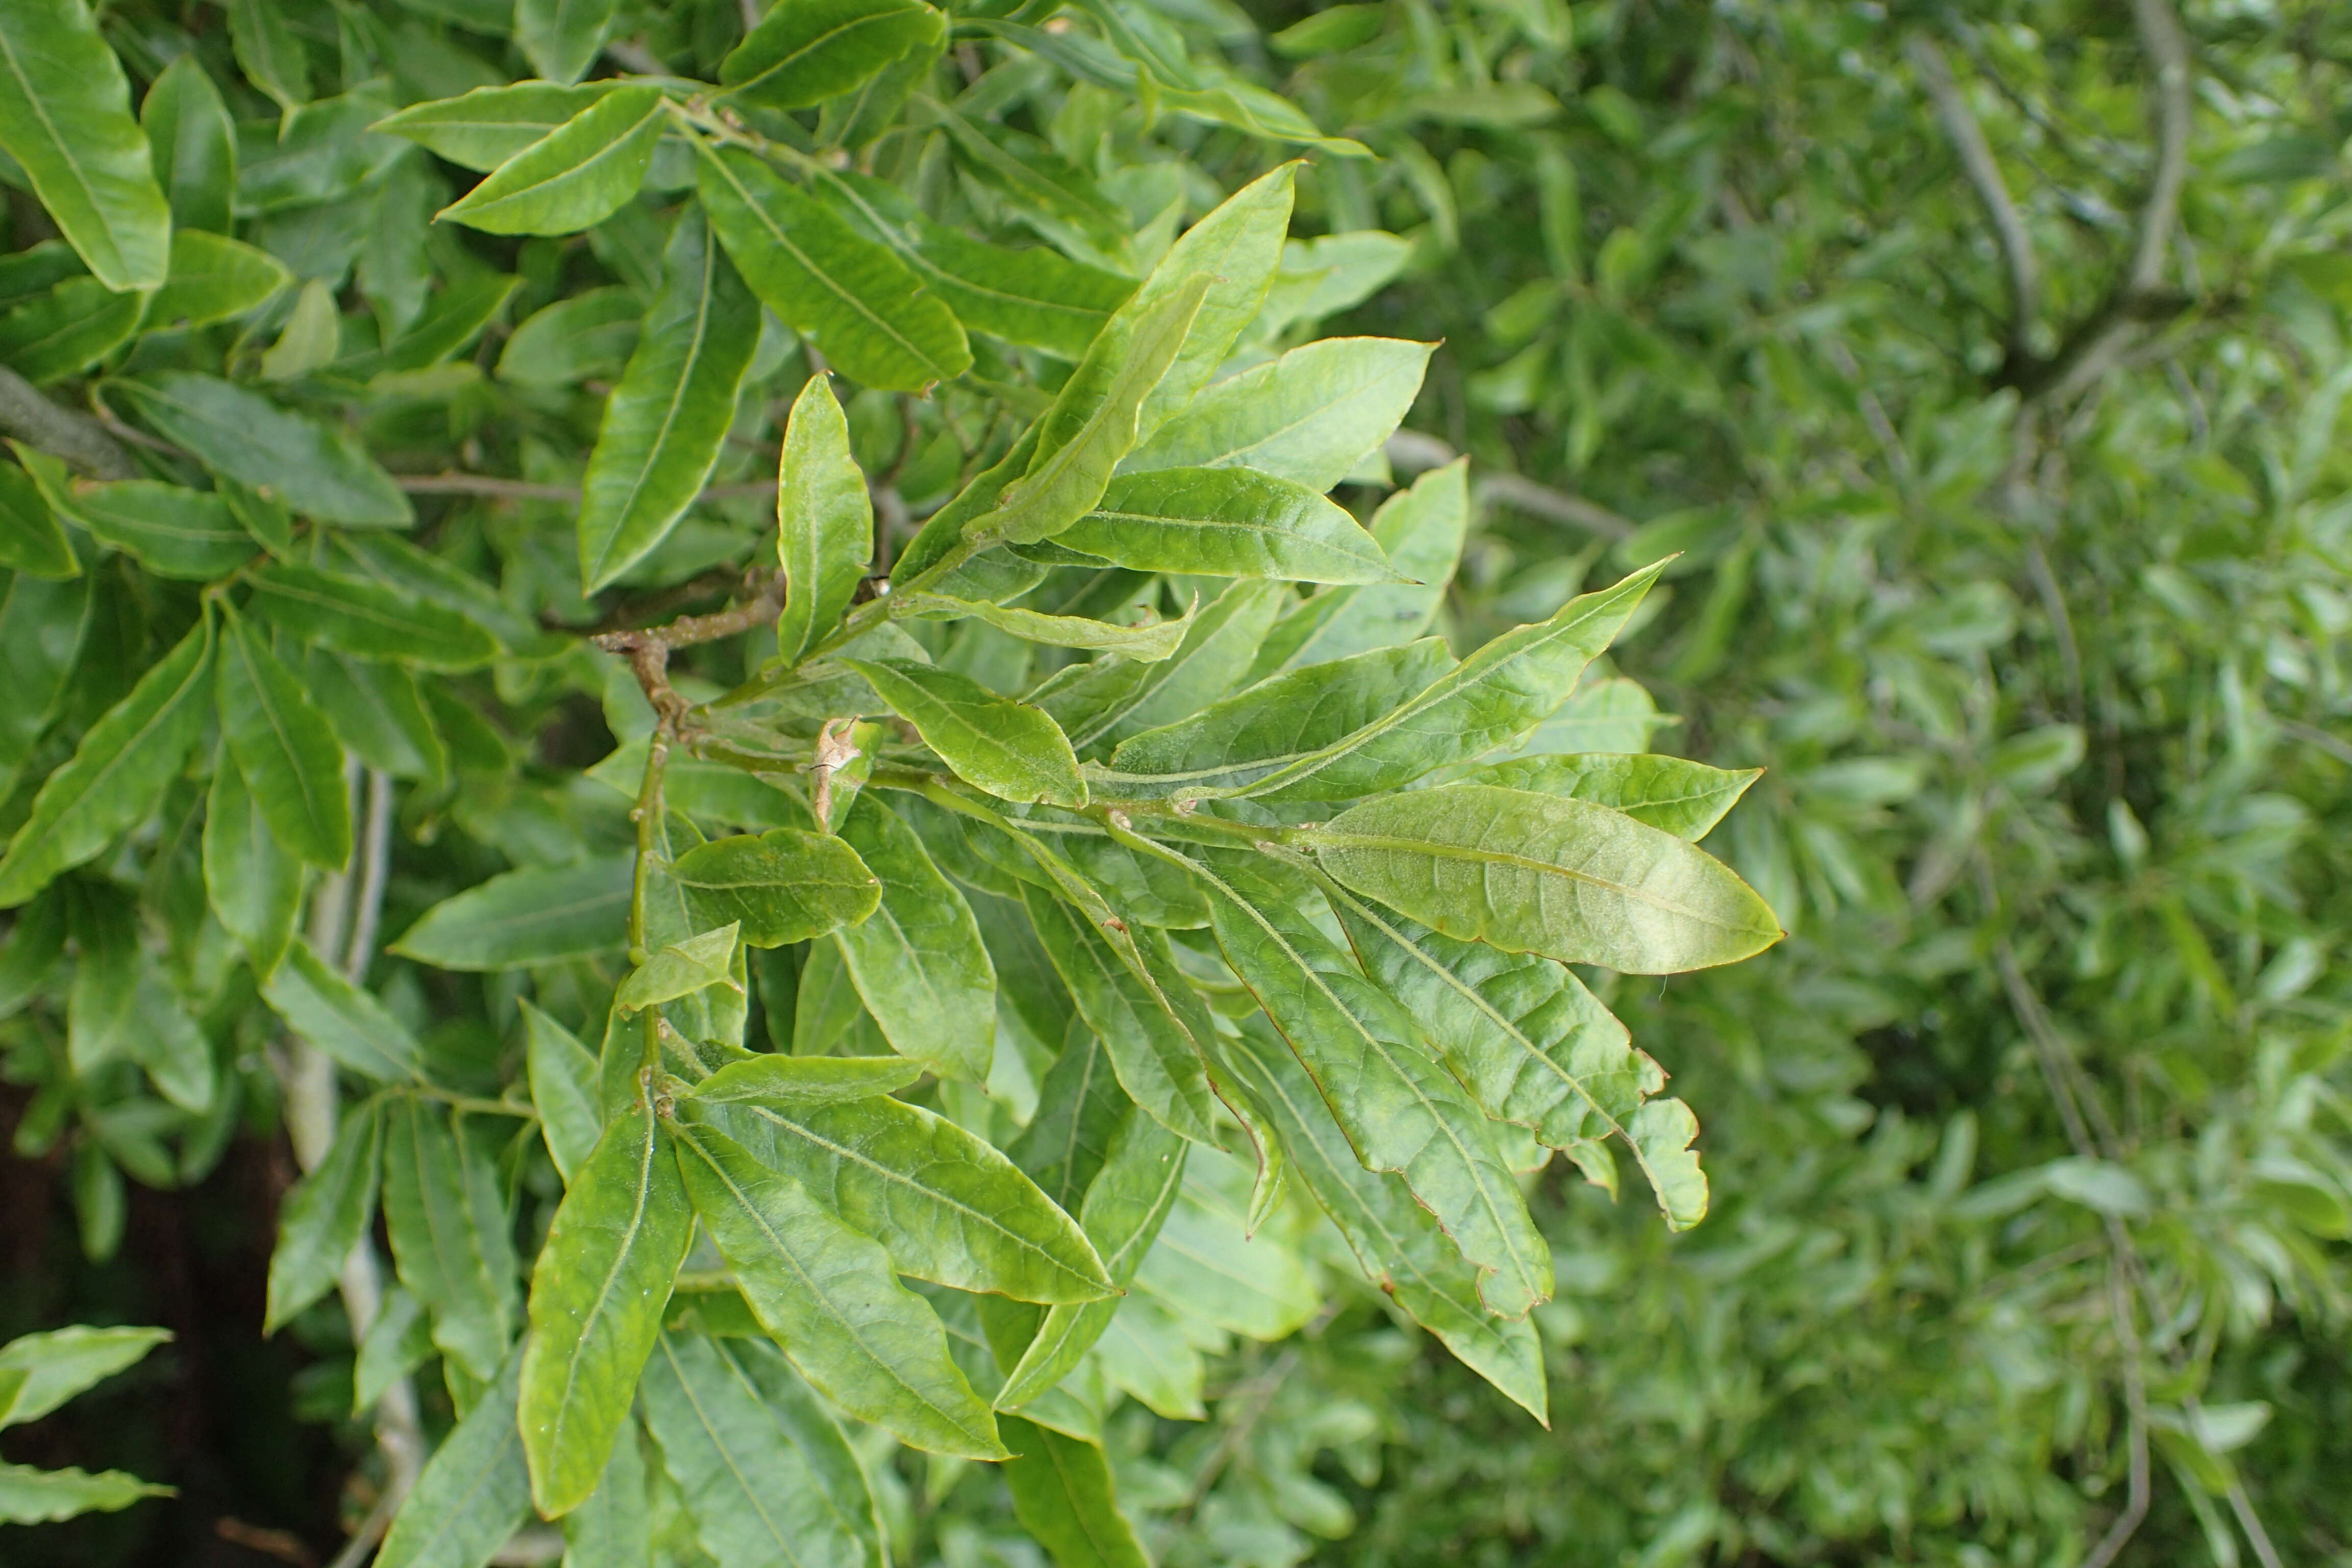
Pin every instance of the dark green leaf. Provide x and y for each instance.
(490, 124)
(65, 118)
(472, 1494)
(170, 531)
(562, 38)
(577, 177)
(324, 1217)
(74, 324)
(254, 886)
(1157, 1061)
(213, 278)
(1062, 1490)
(804, 1080)
(365, 618)
(538, 915)
(783, 885)
(450, 1238)
(803, 53)
(32, 541)
(320, 473)
(286, 749)
(340, 1019)
(563, 1087)
(918, 962)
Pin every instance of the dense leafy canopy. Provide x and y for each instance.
(813, 694)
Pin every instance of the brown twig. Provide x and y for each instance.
(647, 648)
(1983, 170)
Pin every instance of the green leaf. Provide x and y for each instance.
(193, 146)
(366, 620)
(1400, 1109)
(753, 1481)
(948, 1207)
(542, 914)
(1684, 798)
(345, 1022)
(614, 1529)
(65, 118)
(473, 1492)
(1153, 1053)
(1094, 423)
(1531, 873)
(324, 1217)
(172, 530)
(784, 885)
(562, 38)
(1229, 745)
(680, 970)
(121, 766)
(254, 886)
(572, 340)
(577, 175)
(268, 53)
(918, 963)
(379, 714)
(214, 278)
(445, 1212)
(42, 626)
(805, 1081)
(1400, 1245)
(458, 314)
(805, 52)
(1063, 1494)
(596, 1299)
(28, 1496)
(1127, 1200)
(1524, 1036)
(825, 521)
(666, 421)
(284, 747)
(828, 1295)
(1421, 529)
(74, 324)
(32, 540)
(1208, 1265)
(1009, 748)
(323, 474)
(1146, 643)
(489, 125)
(1227, 522)
(1238, 245)
(1309, 416)
(850, 296)
(563, 1087)
(1109, 700)
(1033, 297)
(62, 1363)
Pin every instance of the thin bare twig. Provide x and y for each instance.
(1983, 170)
(2168, 50)
(647, 648)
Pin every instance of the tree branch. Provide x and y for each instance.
(647, 648)
(2168, 50)
(1983, 170)
(77, 437)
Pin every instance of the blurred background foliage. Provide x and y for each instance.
(1985, 364)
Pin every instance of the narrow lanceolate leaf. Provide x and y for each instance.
(121, 766)
(803, 53)
(489, 125)
(172, 530)
(781, 886)
(28, 1496)
(1310, 416)
(32, 541)
(1227, 522)
(1421, 530)
(1400, 1109)
(192, 143)
(1009, 748)
(285, 748)
(366, 620)
(58, 1364)
(1399, 1244)
(447, 1216)
(1093, 425)
(824, 520)
(213, 278)
(948, 1207)
(1264, 728)
(340, 1019)
(918, 962)
(597, 1299)
(322, 473)
(1504, 690)
(65, 118)
(325, 1216)
(254, 886)
(1063, 1494)
(576, 178)
(1126, 1201)
(74, 324)
(666, 419)
(680, 968)
(1531, 873)
(563, 1087)
(1156, 1058)
(1684, 798)
(755, 1492)
(804, 1080)
(828, 1295)
(614, 1529)
(472, 1495)
(542, 914)
(1145, 642)
(858, 302)
(1109, 700)
(562, 38)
